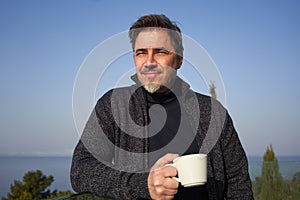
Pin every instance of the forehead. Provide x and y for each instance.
(153, 38)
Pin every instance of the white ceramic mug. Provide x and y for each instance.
(192, 169)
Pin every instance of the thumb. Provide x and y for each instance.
(164, 160)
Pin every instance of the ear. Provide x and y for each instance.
(179, 61)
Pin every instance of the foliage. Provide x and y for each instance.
(256, 187)
(212, 90)
(56, 194)
(271, 185)
(293, 188)
(35, 185)
(271, 179)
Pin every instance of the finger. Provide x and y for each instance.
(167, 158)
(162, 191)
(165, 184)
(168, 193)
(164, 197)
(163, 173)
(164, 160)
(167, 197)
(171, 183)
(169, 171)
(159, 185)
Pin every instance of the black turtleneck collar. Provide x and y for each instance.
(180, 85)
(161, 98)
(168, 96)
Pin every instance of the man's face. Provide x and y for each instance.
(155, 60)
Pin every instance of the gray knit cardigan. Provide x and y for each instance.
(110, 159)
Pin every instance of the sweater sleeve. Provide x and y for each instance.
(238, 183)
(93, 169)
(90, 175)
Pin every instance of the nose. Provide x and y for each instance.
(150, 62)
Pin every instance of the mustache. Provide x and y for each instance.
(150, 70)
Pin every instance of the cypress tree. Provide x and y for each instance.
(212, 90)
(271, 179)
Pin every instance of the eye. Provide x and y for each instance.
(163, 52)
(139, 53)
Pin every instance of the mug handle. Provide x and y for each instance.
(175, 178)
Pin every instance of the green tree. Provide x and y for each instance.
(270, 186)
(256, 187)
(35, 185)
(293, 187)
(212, 90)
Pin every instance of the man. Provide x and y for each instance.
(134, 132)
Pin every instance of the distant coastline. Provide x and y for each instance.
(55, 155)
(280, 158)
(35, 155)
(288, 166)
(13, 167)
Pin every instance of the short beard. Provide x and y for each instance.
(151, 88)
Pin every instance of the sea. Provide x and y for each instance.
(14, 167)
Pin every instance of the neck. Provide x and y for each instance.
(162, 90)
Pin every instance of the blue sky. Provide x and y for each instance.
(255, 45)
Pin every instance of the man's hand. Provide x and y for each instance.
(160, 183)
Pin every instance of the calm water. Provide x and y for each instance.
(13, 168)
(288, 166)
